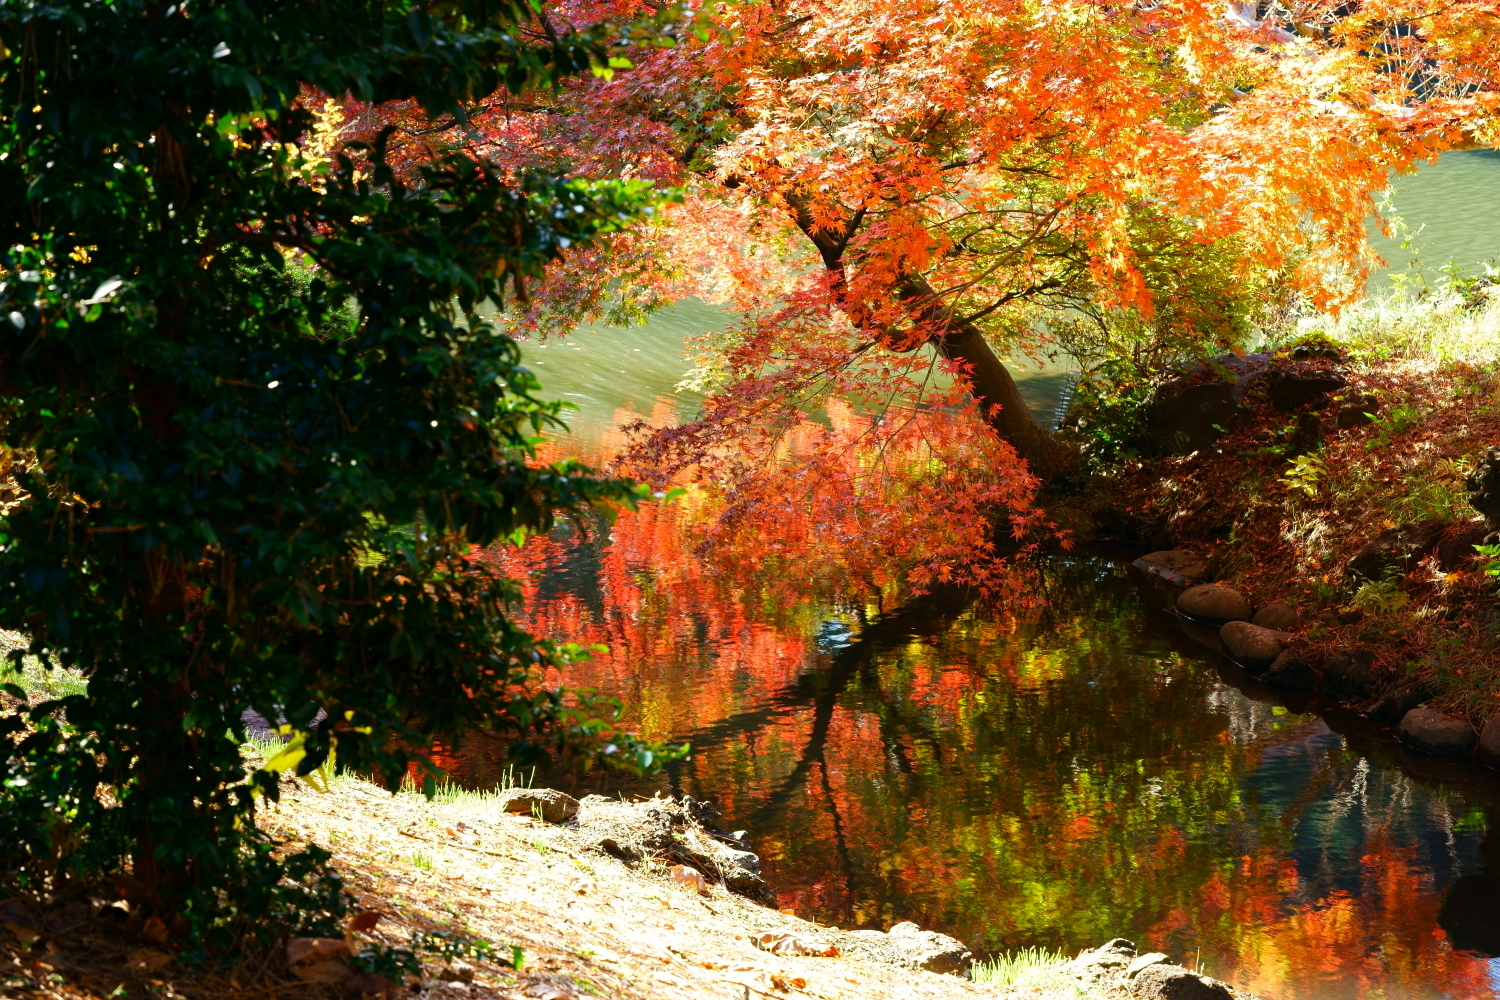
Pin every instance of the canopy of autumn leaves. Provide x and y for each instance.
(892, 193)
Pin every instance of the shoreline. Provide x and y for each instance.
(561, 918)
(1346, 503)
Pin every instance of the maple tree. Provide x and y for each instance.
(966, 177)
(895, 196)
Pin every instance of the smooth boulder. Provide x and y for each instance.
(1214, 603)
(1278, 616)
(545, 803)
(1489, 743)
(1245, 641)
(1433, 732)
(1173, 982)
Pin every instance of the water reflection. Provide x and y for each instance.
(1049, 774)
(1053, 773)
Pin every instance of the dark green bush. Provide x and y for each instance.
(227, 374)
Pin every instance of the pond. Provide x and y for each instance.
(1051, 772)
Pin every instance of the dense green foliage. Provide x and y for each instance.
(230, 373)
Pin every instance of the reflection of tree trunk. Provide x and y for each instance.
(846, 859)
(822, 688)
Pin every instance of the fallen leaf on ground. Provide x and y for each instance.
(148, 960)
(791, 944)
(22, 933)
(364, 920)
(318, 960)
(691, 877)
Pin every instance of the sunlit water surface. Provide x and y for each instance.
(1055, 774)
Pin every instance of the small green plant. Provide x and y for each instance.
(1392, 424)
(449, 947)
(1380, 597)
(421, 861)
(1306, 474)
(1491, 555)
(398, 963)
(1035, 967)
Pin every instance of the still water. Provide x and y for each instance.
(1451, 210)
(1050, 774)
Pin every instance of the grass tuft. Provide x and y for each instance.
(1034, 967)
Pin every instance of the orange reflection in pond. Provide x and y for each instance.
(1053, 772)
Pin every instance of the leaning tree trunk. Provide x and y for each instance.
(999, 399)
(989, 382)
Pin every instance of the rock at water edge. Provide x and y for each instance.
(1395, 703)
(1173, 982)
(1104, 962)
(1177, 565)
(1433, 732)
(907, 945)
(930, 950)
(1350, 674)
(1292, 672)
(1214, 602)
(1278, 616)
(1142, 961)
(552, 806)
(1489, 743)
(1250, 642)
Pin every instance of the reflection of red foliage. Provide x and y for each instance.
(690, 647)
(1357, 944)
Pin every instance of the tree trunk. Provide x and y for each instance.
(999, 399)
(990, 383)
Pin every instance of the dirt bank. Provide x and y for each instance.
(1362, 523)
(586, 922)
